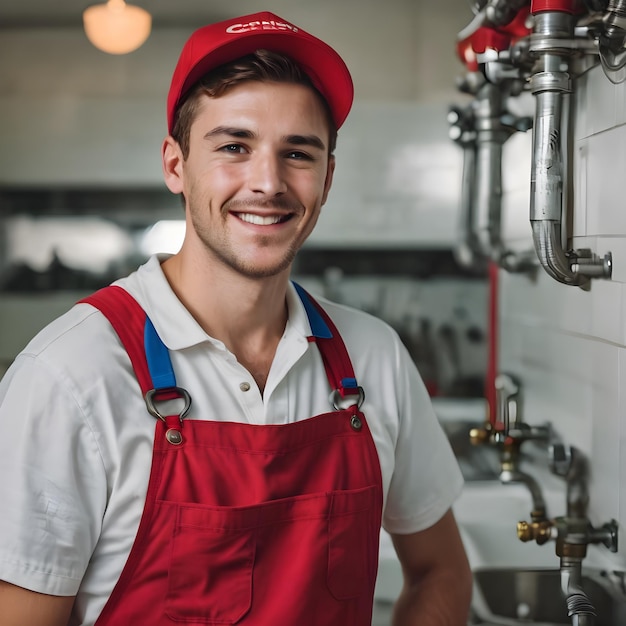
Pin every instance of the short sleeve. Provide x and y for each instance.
(426, 479)
(53, 488)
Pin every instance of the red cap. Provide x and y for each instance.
(216, 44)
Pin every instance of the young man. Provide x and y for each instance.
(203, 443)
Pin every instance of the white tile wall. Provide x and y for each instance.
(596, 101)
(603, 174)
(605, 417)
(566, 344)
(397, 180)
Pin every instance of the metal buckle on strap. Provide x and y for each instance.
(344, 400)
(151, 398)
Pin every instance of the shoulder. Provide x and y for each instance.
(74, 359)
(83, 336)
(367, 338)
(79, 334)
(355, 325)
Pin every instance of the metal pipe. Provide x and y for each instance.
(579, 607)
(507, 393)
(577, 489)
(463, 133)
(488, 197)
(490, 136)
(508, 476)
(494, 125)
(468, 248)
(550, 84)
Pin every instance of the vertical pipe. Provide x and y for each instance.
(490, 135)
(468, 251)
(492, 346)
(489, 195)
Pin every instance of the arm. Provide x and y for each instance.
(437, 578)
(19, 606)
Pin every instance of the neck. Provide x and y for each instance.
(247, 315)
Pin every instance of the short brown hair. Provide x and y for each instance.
(262, 65)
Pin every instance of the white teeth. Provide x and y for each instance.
(260, 219)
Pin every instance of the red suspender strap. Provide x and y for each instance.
(128, 320)
(335, 356)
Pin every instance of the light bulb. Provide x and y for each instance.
(116, 27)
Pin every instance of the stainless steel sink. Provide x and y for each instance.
(513, 596)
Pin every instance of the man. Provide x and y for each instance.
(203, 443)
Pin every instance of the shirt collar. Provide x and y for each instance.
(178, 329)
(174, 324)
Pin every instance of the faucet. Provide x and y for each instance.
(511, 474)
(572, 532)
(510, 432)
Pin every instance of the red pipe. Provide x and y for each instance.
(565, 6)
(492, 344)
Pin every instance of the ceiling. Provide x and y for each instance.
(416, 37)
(61, 13)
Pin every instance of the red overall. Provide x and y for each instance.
(243, 524)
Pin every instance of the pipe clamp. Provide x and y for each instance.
(550, 81)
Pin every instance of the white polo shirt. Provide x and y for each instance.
(76, 438)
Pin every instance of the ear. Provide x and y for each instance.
(172, 163)
(329, 177)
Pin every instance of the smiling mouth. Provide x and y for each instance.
(263, 220)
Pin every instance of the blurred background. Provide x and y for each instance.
(82, 199)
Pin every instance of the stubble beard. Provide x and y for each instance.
(220, 249)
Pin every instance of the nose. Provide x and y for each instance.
(267, 175)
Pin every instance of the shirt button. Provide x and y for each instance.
(244, 386)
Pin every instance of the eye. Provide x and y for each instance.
(299, 156)
(233, 148)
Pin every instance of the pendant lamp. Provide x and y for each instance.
(116, 27)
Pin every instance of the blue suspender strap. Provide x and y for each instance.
(149, 356)
(158, 357)
(162, 374)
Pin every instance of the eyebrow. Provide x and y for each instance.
(241, 133)
(305, 140)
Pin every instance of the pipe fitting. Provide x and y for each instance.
(539, 531)
(579, 607)
(614, 25)
(550, 81)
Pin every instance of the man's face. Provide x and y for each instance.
(257, 174)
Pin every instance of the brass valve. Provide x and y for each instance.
(479, 436)
(539, 531)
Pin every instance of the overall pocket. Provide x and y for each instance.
(210, 577)
(352, 547)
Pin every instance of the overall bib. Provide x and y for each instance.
(272, 525)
